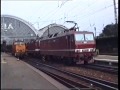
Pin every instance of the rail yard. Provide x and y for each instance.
(73, 77)
(59, 45)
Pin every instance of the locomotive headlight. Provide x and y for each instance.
(80, 50)
(93, 49)
(89, 50)
(76, 50)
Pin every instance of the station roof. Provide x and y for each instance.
(13, 27)
(51, 29)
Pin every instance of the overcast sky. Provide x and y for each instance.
(87, 13)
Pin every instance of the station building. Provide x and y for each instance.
(51, 29)
(14, 28)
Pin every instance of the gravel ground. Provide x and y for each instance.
(89, 72)
(93, 73)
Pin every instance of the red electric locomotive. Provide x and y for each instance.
(33, 48)
(70, 46)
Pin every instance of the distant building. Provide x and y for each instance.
(13, 28)
(51, 29)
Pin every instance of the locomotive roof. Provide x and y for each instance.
(62, 34)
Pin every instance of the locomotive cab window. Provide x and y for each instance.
(20, 43)
(89, 37)
(79, 37)
(15, 43)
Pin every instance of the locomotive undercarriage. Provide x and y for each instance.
(80, 59)
(19, 55)
(84, 59)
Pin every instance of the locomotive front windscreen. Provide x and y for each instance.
(20, 43)
(79, 37)
(89, 37)
(84, 37)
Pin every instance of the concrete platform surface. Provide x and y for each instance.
(19, 75)
(106, 57)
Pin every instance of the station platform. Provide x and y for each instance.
(20, 75)
(107, 58)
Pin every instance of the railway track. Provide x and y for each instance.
(106, 66)
(74, 79)
(103, 68)
(69, 82)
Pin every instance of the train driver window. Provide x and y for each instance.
(89, 37)
(79, 37)
(15, 43)
(21, 43)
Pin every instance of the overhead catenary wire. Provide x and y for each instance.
(89, 13)
(97, 11)
(82, 9)
(82, 15)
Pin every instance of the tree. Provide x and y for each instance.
(110, 30)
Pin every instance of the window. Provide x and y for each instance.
(84, 37)
(21, 43)
(55, 34)
(16, 43)
(50, 36)
(79, 37)
(89, 37)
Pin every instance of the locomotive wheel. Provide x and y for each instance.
(22, 57)
(85, 62)
(12, 54)
(68, 61)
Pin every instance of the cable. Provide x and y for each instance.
(48, 14)
(73, 16)
(83, 8)
(95, 11)
(84, 15)
(63, 3)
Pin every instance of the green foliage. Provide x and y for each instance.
(110, 30)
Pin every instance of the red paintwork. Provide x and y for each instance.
(63, 45)
(55, 46)
(82, 46)
(31, 45)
